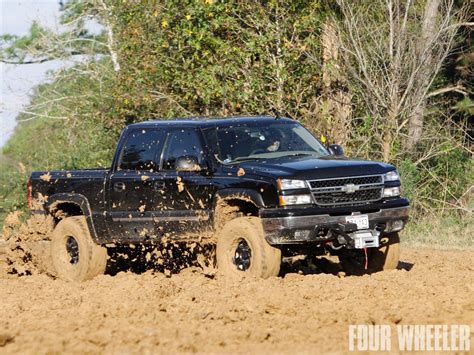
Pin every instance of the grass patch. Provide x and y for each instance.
(450, 232)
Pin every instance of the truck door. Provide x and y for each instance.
(131, 186)
(184, 205)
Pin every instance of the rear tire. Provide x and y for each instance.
(243, 251)
(385, 257)
(75, 255)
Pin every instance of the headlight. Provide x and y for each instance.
(286, 184)
(391, 191)
(392, 176)
(295, 200)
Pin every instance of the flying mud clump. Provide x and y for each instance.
(168, 257)
(24, 246)
(25, 250)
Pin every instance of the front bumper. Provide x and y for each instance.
(303, 229)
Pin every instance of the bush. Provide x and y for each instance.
(60, 134)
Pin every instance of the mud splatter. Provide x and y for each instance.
(180, 184)
(201, 204)
(26, 244)
(5, 339)
(46, 177)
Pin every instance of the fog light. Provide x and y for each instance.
(391, 191)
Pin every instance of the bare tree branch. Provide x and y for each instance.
(110, 37)
(394, 63)
(458, 88)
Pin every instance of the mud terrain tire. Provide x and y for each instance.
(385, 257)
(75, 255)
(246, 233)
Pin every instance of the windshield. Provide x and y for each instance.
(266, 141)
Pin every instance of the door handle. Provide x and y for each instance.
(159, 185)
(119, 186)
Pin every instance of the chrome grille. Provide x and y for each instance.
(357, 190)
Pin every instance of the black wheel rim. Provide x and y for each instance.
(242, 255)
(72, 249)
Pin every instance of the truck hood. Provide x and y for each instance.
(307, 168)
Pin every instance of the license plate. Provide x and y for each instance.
(361, 221)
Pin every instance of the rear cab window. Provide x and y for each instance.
(141, 150)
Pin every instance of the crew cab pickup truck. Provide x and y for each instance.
(262, 187)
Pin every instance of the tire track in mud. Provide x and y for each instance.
(192, 312)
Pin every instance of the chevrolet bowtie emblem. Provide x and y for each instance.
(350, 188)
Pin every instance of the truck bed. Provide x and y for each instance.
(87, 182)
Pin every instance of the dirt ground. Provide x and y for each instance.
(194, 312)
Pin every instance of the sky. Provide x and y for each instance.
(17, 81)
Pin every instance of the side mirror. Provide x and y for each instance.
(187, 163)
(336, 149)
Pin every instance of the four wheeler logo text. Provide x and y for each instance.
(437, 337)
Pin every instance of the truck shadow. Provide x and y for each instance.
(405, 265)
(173, 258)
(323, 265)
(169, 259)
(309, 266)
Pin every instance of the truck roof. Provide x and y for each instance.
(206, 121)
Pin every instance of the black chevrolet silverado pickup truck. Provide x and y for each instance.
(262, 187)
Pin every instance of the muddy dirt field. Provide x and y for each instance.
(196, 311)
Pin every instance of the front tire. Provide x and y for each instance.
(385, 257)
(243, 251)
(75, 255)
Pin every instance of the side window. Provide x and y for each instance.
(182, 143)
(139, 151)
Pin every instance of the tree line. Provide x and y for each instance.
(388, 79)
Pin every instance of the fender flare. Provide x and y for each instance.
(77, 199)
(248, 194)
